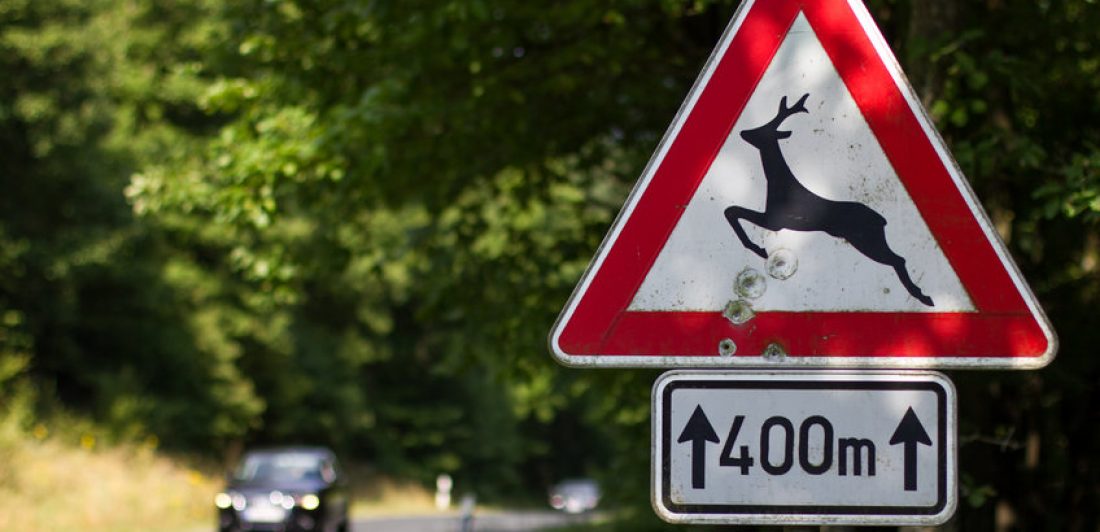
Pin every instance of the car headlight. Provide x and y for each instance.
(227, 499)
(223, 501)
(279, 498)
(310, 502)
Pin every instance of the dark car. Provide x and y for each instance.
(575, 495)
(287, 489)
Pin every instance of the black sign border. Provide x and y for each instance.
(775, 510)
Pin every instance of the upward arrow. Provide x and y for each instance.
(910, 432)
(698, 431)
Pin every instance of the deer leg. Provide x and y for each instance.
(910, 286)
(734, 214)
(878, 250)
(865, 230)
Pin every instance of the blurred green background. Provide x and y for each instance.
(353, 222)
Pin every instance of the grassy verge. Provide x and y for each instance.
(51, 484)
(374, 495)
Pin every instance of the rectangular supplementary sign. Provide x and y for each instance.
(804, 448)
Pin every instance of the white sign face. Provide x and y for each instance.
(804, 448)
(835, 155)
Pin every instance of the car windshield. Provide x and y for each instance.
(283, 467)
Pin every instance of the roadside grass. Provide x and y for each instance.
(377, 495)
(49, 483)
(73, 480)
(67, 474)
(631, 519)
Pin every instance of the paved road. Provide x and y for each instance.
(483, 522)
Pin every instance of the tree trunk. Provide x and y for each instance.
(932, 24)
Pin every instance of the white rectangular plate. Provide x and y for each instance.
(800, 447)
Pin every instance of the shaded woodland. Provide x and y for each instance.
(353, 222)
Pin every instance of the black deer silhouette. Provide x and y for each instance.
(790, 205)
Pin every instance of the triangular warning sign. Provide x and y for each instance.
(802, 210)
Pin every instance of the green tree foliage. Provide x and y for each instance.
(355, 221)
(110, 316)
(396, 176)
(1014, 92)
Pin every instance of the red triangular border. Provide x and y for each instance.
(1007, 330)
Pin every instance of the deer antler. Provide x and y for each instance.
(784, 111)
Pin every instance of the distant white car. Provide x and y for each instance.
(575, 495)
